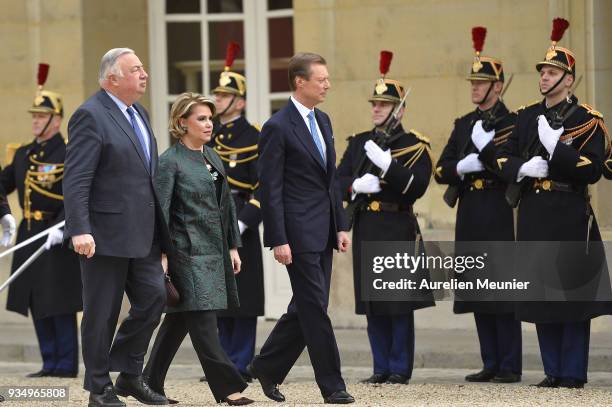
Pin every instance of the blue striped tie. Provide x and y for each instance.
(315, 134)
(141, 137)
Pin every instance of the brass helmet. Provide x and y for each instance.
(484, 68)
(558, 56)
(46, 101)
(231, 82)
(387, 90)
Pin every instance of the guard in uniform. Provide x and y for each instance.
(400, 175)
(568, 152)
(235, 140)
(467, 165)
(51, 286)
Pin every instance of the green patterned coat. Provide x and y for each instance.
(202, 232)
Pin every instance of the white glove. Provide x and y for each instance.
(367, 184)
(548, 137)
(480, 137)
(56, 236)
(470, 163)
(537, 167)
(8, 229)
(380, 158)
(242, 226)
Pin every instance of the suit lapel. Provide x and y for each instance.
(152, 141)
(329, 141)
(303, 134)
(124, 125)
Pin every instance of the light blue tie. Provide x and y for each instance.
(315, 135)
(141, 137)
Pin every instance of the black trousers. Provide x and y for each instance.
(305, 323)
(105, 279)
(221, 374)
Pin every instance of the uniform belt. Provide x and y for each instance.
(38, 215)
(548, 185)
(378, 206)
(484, 183)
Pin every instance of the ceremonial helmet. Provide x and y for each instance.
(560, 57)
(231, 82)
(484, 68)
(387, 90)
(46, 101)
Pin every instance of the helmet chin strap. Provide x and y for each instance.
(384, 123)
(556, 84)
(44, 128)
(486, 94)
(227, 108)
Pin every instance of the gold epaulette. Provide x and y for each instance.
(420, 136)
(592, 111)
(417, 150)
(525, 106)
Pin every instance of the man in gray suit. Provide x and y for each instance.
(112, 217)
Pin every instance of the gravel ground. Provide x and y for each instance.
(429, 387)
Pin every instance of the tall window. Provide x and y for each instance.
(188, 39)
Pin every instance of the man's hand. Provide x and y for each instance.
(344, 241)
(164, 263)
(469, 164)
(282, 254)
(548, 136)
(8, 229)
(480, 137)
(381, 159)
(236, 262)
(56, 236)
(84, 245)
(366, 184)
(537, 167)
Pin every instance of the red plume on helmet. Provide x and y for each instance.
(232, 50)
(385, 62)
(559, 27)
(478, 37)
(43, 72)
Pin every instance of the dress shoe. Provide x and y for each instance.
(571, 383)
(40, 373)
(484, 375)
(135, 386)
(376, 378)
(396, 378)
(145, 379)
(242, 401)
(269, 388)
(339, 397)
(63, 373)
(506, 377)
(108, 398)
(548, 381)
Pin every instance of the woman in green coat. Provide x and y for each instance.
(196, 202)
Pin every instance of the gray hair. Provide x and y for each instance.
(108, 64)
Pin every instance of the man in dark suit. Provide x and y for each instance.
(112, 217)
(304, 221)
